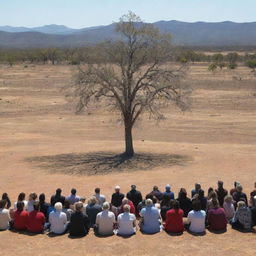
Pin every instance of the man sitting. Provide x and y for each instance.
(105, 221)
(100, 198)
(57, 198)
(4, 216)
(117, 197)
(58, 220)
(79, 222)
(73, 198)
(169, 192)
(20, 217)
(36, 220)
(92, 209)
(126, 222)
(239, 195)
(151, 218)
(135, 196)
(157, 193)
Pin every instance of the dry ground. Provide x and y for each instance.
(42, 142)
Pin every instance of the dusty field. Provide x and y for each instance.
(215, 140)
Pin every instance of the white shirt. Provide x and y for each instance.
(197, 221)
(229, 210)
(25, 205)
(105, 221)
(58, 221)
(100, 198)
(125, 223)
(4, 219)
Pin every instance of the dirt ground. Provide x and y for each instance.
(215, 140)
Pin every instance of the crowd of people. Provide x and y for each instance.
(125, 214)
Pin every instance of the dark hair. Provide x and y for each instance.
(58, 191)
(36, 206)
(215, 203)
(166, 200)
(42, 198)
(155, 188)
(149, 196)
(66, 204)
(154, 199)
(196, 205)
(201, 193)
(7, 199)
(20, 206)
(183, 193)
(176, 204)
(97, 190)
(73, 191)
(21, 196)
(2, 204)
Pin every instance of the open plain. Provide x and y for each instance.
(44, 145)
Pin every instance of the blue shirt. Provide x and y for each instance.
(169, 193)
(151, 220)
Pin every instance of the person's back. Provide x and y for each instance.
(4, 216)
(105, 221)
(216, 217)
(151, 219)
(20, 217)
(117, 197)
(126, 222)
(100, 198)
(43, 205)
(79, 222)
(58, 220)
(196, 218)
(243, 217)
(57, 198)
(73, 198)
(134, 196)
(185, 202)
(229, 207)
(239, 195)
(92, 209)
(174, 219)
(168, 192)
(36, 220)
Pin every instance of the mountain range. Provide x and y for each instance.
(208, 34)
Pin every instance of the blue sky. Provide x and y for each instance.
(86, 13)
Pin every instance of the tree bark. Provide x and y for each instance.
(129, 151)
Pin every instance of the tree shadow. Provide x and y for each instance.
(105, 162)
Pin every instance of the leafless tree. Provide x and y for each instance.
(134, 76)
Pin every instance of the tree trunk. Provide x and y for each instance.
(129, 151)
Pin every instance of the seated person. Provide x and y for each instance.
(4, 216)
(196, 218)
(43, 205)
(239, 195)
(185, 202)
(157, 193)
(66, 209)
(57, 197)
(117, 197)
(36, 219)
(174, 219)
(7, 199)
(243, 217)
(92, 209)
(253, 210)
(126, 222)
(168, 191)
(221, 192)
(151, 218)
(229, 207)
(195, 190)
(105, 221)
(73, 198)
(20, 218)
(100, 198)
(58, 220)
(130, 203)
(79, 222)
(21, 198)
(165, 206)
(31, 200)
(216, 217)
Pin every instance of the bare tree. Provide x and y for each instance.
(133, 77)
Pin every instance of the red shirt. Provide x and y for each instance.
(217, 219)
(20, 220)
(36, 222)
(174, 221)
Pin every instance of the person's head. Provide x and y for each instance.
(220, 184)
(82, 199)
(93, 200)
(126, 208)
(228, 199)
(213, 195)
(36, 206)
(149, 196)
(183, 193)
(241, 204)
(236, 183)
(210, 190)
(148, 202)
(196, 205)
(21, 196)
(20, 206)
(125, 201)
(73, 191)
(117, 189)
(239, 188)
(97, 190)
(58, 191)
(133, 187)
(106, 206)
(201, 193)
(197, 186)
(176, 204)
(155, 188)
(154, 199)
(2, 204)
(167, 188)
(78, 206)
(5, 196)
(215, 203)
(42, 198)
(66, 204)
(58, 206)
(32, 197)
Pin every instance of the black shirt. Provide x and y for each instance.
(44, 209)
(57, 199)
(92, 210)
(135, 196)
(116, 199)
(79, 224)
(185, 205)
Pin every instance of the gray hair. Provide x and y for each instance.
(126, 208)
(149, 202)
(106, 206)
(58, 206)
